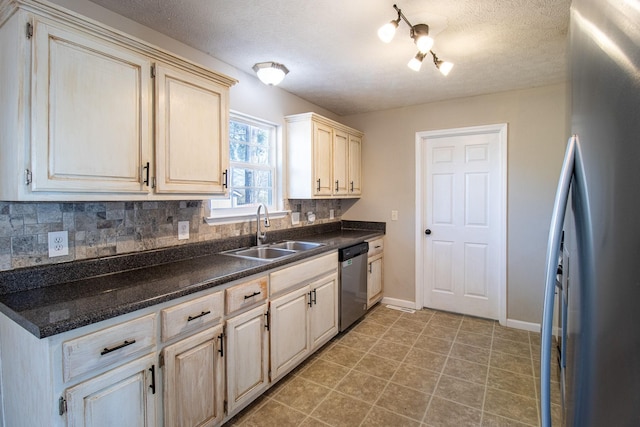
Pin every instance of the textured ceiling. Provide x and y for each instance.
(337, 61)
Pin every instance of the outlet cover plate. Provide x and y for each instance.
(183, 230)
(58, 243)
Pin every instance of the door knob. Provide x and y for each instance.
(427, 231)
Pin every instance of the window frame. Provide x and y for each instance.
(217, 214)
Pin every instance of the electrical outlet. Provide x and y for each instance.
(58, 243)
(183, 230)
(332, 214)
(394, 215)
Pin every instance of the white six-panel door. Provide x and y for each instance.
(462, 208)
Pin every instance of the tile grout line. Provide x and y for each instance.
(435, 387)
(486, 380)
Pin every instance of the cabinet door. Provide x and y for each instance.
(192, 121)
(355, 165)
(91, 113)
(193, 380)
(247, 357)
(374, 282)
(324, 311)
(124, 396)
(322, 163)
(289, 331)
(340, 163)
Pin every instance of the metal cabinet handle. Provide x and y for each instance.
(318, 184)
(225, 174)
(352, 186)
(221, 349)
(315, 301)
(310, 299)
(146, 180)
(152, 369)
(118, 347)
(204, 313)
(266, 320)
(252, 295)
(337, 185)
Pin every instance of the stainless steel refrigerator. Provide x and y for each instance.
(598, 206)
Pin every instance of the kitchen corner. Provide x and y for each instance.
(56, 298)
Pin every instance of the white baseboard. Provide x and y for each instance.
(400, 303)
(527, 326)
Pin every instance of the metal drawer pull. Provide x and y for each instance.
(204, 313)
(252, 295)
(318, 184)
(109, 350)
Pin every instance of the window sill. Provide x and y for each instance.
(234, 218)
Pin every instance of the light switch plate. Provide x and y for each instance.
(394, 215)
(183, 230)
(58, 243)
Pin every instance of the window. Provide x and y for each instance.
(252, 168)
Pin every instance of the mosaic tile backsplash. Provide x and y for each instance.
(98, 229)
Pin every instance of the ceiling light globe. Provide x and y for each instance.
(387, 31)
(424, 43)
(416, 62)
(270, 73)
(445, 68)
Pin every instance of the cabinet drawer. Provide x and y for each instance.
(375, 247)
(246, 294)
(108, 346)
(191, 315)
(303, 272)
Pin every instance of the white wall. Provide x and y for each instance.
(536, 140)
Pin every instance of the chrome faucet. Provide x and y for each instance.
(262, 237)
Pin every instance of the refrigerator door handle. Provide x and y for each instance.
(553, 251)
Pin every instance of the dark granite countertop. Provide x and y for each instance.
(53, 299)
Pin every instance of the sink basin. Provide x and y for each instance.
(274, 251)
(296, 246)
(267, 253)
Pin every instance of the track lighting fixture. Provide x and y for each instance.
(270, 73)
(420, 35)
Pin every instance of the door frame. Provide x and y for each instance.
(421, 172)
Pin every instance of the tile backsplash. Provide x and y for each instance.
(98, 229)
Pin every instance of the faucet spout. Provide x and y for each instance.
(261, 237)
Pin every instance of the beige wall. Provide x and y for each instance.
(536, 139)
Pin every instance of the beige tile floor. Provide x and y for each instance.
(427, 368)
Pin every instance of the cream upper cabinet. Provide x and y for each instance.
(322, 154)
(192, 121)
(355, 165)
(323, 158)
(90, 128)
(78, 111)
(340, 163)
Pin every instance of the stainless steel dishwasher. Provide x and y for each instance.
(353, 283)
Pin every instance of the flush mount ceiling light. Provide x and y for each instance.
(270, 73)
(420, 35)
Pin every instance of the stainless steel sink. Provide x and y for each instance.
(296, 245)
(273, 251)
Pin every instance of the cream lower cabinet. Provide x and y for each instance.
(247, 356)
(301, 321)
(375, 276)
(193, 380)
(123, 396)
